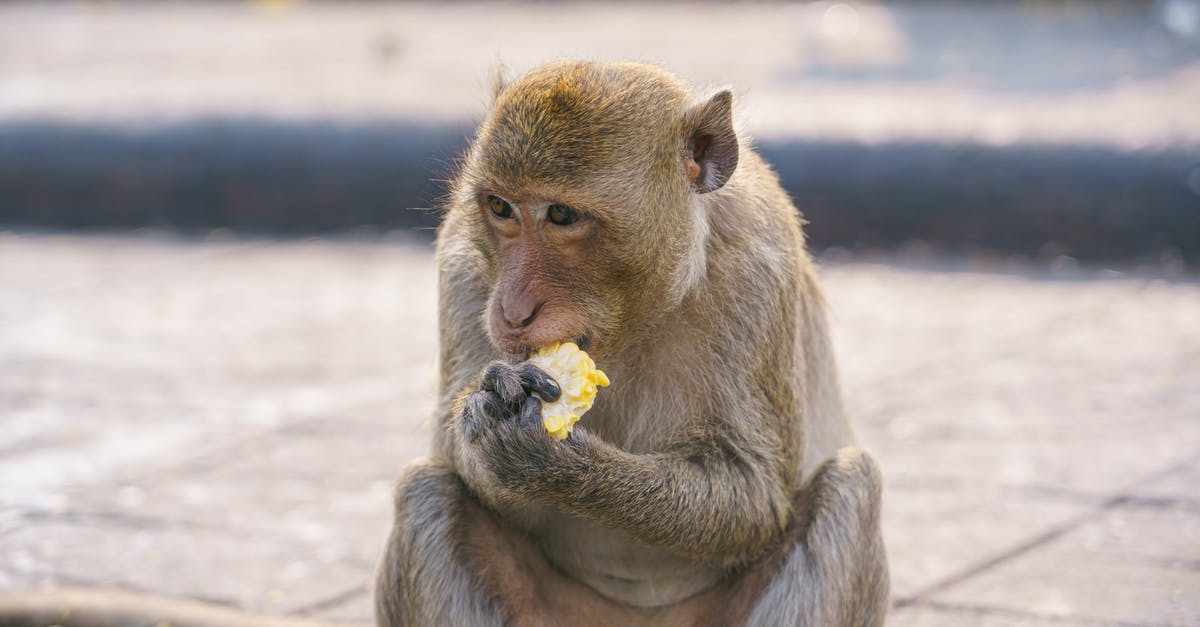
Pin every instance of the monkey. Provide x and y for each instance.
(716, 481)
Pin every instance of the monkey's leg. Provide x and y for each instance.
(424, 578)
(836, 573)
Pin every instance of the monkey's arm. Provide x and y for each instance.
(723, 497)
(715, 503)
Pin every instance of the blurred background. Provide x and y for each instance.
(217, 307)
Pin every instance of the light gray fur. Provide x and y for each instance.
(833, 577)
(423, 564)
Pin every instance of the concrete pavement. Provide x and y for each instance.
(222, 419)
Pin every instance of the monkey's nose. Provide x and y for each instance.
(520, 312)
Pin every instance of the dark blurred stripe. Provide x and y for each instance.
(1085, 201)
(287, 178)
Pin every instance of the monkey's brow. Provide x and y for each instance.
(519, 196)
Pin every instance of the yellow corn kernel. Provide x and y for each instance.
(577, 377)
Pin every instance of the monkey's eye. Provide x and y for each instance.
(561, 215)
(500, 207)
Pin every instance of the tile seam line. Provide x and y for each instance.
(89, 518)
(1005, 348)
(1047, 493)
(984, 610)
(225, 452)
(1115, 500)
(124, 585)
(329, 602)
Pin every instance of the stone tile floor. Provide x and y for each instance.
(222, 419)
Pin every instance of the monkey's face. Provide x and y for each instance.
(581, 191)
(552, 278)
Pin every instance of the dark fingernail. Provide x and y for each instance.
(542, 383)
(550, 389)
(539, 382)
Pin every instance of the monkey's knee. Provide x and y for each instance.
(835, 571)
(426, 499)
(845, 542)
(421, 579)
(851, 485)
(424, 478)
(847, 502)
(852, 464)
(826, 584)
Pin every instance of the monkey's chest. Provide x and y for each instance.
(622, 570)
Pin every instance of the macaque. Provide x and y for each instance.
(716, 481)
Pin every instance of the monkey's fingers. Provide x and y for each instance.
(470, 426)
(506, 382)
(536, 381)
(483, 406)
(531, 415)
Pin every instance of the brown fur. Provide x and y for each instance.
(716, 481)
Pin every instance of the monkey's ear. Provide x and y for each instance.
(712, 147)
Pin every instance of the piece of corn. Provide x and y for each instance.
(577, 377)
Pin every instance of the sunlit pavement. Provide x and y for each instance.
(222, 420)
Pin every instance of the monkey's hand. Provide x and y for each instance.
(501, 425)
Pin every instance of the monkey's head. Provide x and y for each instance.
(584, 191)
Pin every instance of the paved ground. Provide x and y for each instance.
(222, 419)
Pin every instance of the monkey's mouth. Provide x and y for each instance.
(523, 351)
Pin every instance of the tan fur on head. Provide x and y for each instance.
(621, 142)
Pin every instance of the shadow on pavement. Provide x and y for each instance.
(294, 178)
